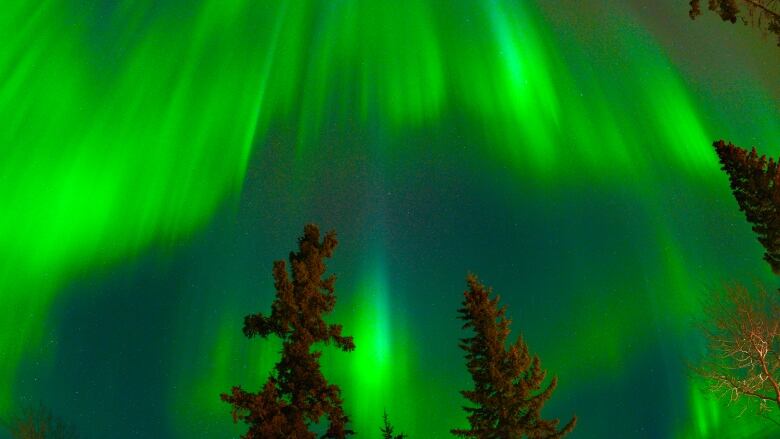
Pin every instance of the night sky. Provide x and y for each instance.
(158, 156)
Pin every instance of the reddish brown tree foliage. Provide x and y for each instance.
(296, 395)
(763, 14)
(39, 423)
(507, 383)
(743, 350)
(755, 183)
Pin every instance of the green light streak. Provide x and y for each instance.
(217, 363)
(714, 417)
(127, 127)
(379, 369)
(103, 159)
(706, 412)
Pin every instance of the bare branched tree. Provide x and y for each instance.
(37, 422)
(762, 14)
(743, 353)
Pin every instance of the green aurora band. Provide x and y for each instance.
(130, 124)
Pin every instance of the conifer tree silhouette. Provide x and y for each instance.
(755, 183)
(296, 394)
(506, 382)
(387, 429)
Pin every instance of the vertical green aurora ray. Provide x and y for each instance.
(376, 375)
(713, 418)
(220, 361)
(128, 126)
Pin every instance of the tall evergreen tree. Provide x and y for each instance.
(296, 394)
(507, 383)
(755, 183)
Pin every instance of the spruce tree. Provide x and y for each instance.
(387, 429)
(755, 183)
(296, 394)
(507, 383)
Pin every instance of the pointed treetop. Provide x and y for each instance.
(296, 395)
(506, 398)
(387, 429)
(755, 183)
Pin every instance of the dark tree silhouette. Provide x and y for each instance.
(387, 430)
(507, 383)
(296, 394)
(743, 349)
(39, 423)
(755, 183)
(763, 14)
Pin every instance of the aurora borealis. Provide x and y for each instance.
(158, 156)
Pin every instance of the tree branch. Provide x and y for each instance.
(768, 11)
